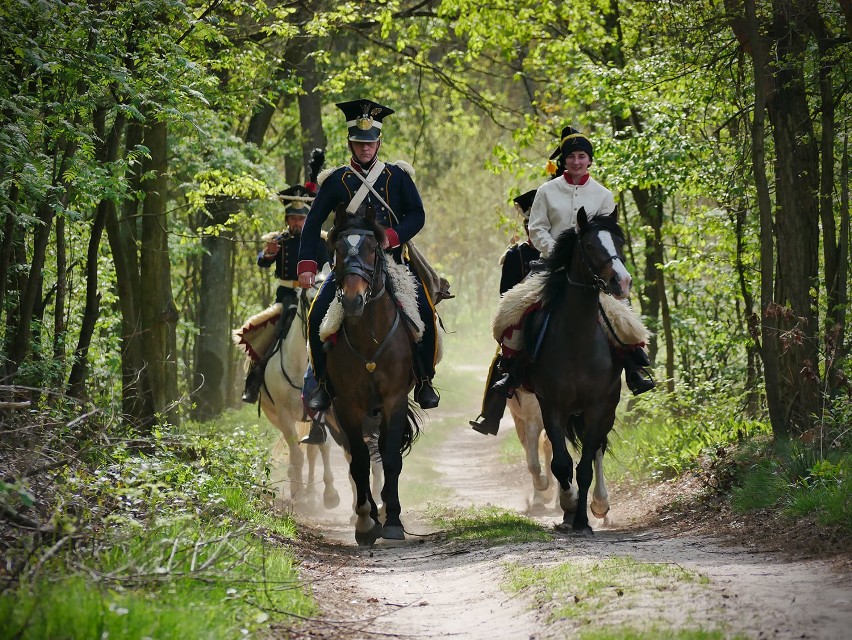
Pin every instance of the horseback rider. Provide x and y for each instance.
(515, 267)
(389, 188)
(282, 250)
(554, 210)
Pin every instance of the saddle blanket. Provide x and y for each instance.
(625, 322)
(258, 332)
(404, 286)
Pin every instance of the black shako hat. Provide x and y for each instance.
(572, 140)
(364, 119)
(524, 202)
(297, 200)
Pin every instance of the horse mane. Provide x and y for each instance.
(357, 221)
(556, 264)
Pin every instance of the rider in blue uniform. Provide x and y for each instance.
(399, 210)
(515, 267)
(282, 251)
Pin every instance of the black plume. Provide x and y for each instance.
(316, 162)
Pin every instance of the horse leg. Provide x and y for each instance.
(330, 496)
(392, 464)
(296, 467)
(600, 498)
(367, 528)
(528, 435)
(310, 483)
(584, 481)
(562, 466)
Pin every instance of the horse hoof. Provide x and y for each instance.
(393, 532)
(563, 527)
(331, 500)
(368, 538)
(584, 531)
(599, 516)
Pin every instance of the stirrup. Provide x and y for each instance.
(484, 427)
(637, 383)
(317, 433)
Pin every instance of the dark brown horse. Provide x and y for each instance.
(577, 384)
(370, 369)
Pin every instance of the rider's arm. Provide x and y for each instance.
(409, 207)
(540, 225)
(312, 244)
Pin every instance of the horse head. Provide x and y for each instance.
(601, 243)
(356, 240)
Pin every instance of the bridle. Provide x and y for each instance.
(598, 285)
(375, 274)
(354, 264)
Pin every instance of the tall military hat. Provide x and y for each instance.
(524, 202)
(570, 140)
(364, 119)
(297, 200)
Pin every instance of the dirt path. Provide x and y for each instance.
(429, 587)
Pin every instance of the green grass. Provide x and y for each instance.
(583, 590)
(179, 581)
(175, 542)
(491, 524)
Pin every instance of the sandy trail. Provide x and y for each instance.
(429, 587)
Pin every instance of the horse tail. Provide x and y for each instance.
(413, 420)
(575, 431)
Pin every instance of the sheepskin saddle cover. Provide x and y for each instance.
(624, 326)
(258, 332)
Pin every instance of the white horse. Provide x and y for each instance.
(281, 402)
(530, 428)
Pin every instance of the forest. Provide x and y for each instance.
(143, 144)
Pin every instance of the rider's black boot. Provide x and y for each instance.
(424, 393)
(253, 381)
(321, 397)
(492, 411)
(510, 380)
(317, 434)
(638, 379)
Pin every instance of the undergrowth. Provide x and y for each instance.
(488, 523)
(167, 533)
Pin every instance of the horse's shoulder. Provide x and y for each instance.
(325, 173)
(402, 164)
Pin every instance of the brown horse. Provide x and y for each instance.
(577, 384)
(370, 369)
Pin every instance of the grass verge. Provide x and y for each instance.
(489, 524)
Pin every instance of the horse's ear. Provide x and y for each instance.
(340, 216)
(371, 214)
(582, 218)
(614, 214)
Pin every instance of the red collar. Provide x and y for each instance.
(581, 182)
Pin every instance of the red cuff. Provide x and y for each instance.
(393, 238)
(306, 266)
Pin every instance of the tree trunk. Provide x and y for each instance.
(107, 154)
(158, 314)
(796, 220)
(213, 346)
(137, 401)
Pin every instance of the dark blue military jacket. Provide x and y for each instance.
(516, 264)
(394, 185)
